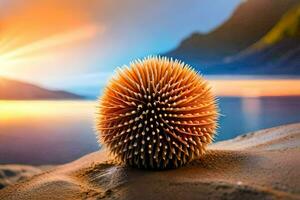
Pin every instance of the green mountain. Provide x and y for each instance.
(251, 21)
(277, 52)
(287, 27)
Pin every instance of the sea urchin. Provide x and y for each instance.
(157, 113)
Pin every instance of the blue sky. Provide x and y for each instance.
(128, 29)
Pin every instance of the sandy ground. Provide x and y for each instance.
(259, 165)
(11, 173)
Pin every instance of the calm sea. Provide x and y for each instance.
(54, 132)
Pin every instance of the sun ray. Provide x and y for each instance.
(40, 46)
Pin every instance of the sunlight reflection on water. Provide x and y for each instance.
(52, 132)
(251, 108)
(38, 132)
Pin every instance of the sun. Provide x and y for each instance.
(4, 63)
(7, 65)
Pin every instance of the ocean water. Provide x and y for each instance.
(55, 132)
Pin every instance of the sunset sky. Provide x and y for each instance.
(73, 44)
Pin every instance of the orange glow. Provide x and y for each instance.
(256, 88)
(27, 111)
(31, 32)
(47, 43)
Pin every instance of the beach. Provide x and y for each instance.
(257, 165)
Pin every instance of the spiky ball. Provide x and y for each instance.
(157, 113)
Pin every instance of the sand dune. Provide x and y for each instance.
(260, 165)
